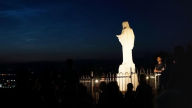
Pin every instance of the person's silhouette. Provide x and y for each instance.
(143, 93)
(130, 95)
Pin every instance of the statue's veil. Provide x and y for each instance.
(125, 24)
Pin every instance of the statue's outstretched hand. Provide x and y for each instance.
(118, 35)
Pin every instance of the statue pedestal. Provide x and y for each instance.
(127, 75)
(126, 69)
(124, 79)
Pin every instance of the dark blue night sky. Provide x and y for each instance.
(32, 30)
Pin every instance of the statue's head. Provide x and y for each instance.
(125, 24)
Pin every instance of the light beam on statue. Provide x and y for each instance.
(127, 68)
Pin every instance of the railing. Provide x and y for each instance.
(108, 77)
(92, 82)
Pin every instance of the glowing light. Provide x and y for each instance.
(96, 81)
(152, 76)
(147, 77)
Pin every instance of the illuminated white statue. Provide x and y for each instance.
(126, 39)
(127, 68)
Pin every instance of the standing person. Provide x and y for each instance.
(130, 95)
(159, 72)
(143, 94)
(160, 67)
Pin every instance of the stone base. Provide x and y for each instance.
(126, 69)
(124, 80)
